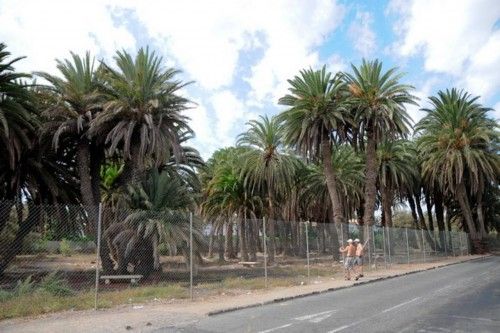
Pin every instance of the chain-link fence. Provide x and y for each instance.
(102, 251)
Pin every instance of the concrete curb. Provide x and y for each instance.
(317, 292)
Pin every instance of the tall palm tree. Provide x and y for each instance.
(314, 118)
(395, 172)
(142, 116)
(267, 168)
(378, 100)
(16, 110)
(455, 143)
(73, 103)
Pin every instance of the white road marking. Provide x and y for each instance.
(472, 318)
(320, 318)
(338, 329)
(401, 304)
(341, 328)
(276, 328)
(311, 316)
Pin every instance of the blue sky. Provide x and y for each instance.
(240, 53)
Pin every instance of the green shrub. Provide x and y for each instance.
(24, 287)
(5, 295)
(65, 248)
(55, 285)
(33, 243)
(163, 249)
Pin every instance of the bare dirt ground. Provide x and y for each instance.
(162, 313)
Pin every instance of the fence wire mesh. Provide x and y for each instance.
(180, 255)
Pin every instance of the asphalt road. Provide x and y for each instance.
(458, 298)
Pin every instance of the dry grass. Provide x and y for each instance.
(38, 303)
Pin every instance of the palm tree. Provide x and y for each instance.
(16, 112)
(267, 169)
(226, 196)
(73, 103)
(163, 202)
(314, 119)
(455, 144)
(142, 116)
(395, 172)
(349, 167)
(378, 101)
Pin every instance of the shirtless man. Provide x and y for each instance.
(358, 261)
(350, 250)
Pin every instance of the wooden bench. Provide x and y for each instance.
(249, 263)
(133, 278)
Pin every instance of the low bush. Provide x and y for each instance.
(65, 248)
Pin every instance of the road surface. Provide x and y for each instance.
(458, 298)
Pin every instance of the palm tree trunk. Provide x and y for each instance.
(229, 240)
(243, 238)
(211, 242)
(334, 238)
(463, 201)
(270, 226)
(331, 181)
(387, 205)
(480, 215)
(428, 205)
(413, 209)
(25, 227)
(438, 208)
(252, 244)
(5, 208)
(220, 245)
(83, 161)
(96, 159)
(370, 194)
(86, 186)
(423, 225)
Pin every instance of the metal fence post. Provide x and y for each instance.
(374, 247)
(423, 243)
(191, 255)
(307, 253)
(265, 250)
(383, 239)
(389, 245)
(407, 246)
(445, 245)
(460, 240)
(342, 241)
(369, 248)
(98, 254)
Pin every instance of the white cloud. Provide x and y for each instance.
(361, 34)
(230, 113)
(47, 30)
(206, 37)
(422, 93)
(456, 37)
(482, 74)
(336, 63)
(203, 38)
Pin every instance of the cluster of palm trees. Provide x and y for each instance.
(342, 147)
(94, 133)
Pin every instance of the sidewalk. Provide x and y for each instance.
(150, 316)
